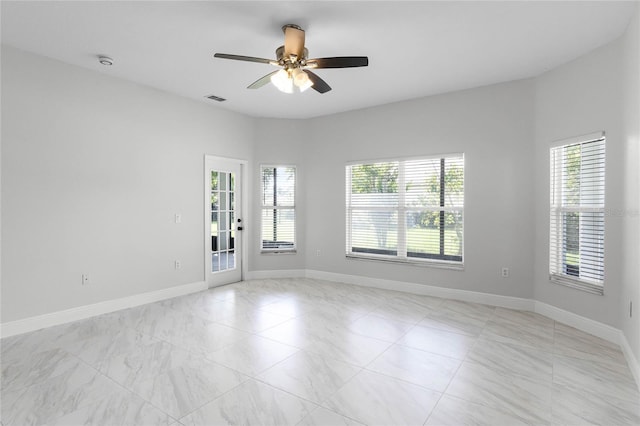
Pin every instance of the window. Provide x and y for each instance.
(576, 238)
(406, 210)
(278, 208)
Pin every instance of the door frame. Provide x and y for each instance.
(244, 209)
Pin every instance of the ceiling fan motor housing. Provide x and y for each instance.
(287, 61)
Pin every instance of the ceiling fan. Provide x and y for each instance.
(292, 59)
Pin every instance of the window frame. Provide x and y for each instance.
(557, 209)
(279, 250)
(401, 211)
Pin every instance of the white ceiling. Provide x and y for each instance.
(415, 48)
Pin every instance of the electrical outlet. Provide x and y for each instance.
(177, 264)
(505, 272)
(85, 279)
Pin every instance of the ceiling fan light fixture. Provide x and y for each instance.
(283, 81)
(301, 79)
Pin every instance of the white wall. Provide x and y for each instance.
(631, 214)
(93, 170)
(491, 125)
(577, 98)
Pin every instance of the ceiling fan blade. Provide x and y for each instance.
(319, 85)
(243, 58)
(339, 62)
(261, 81)
(293, 41)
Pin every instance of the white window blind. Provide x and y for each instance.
(406, 210)
(278, 189)
(576, 239)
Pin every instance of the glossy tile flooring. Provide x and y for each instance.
(309, 352)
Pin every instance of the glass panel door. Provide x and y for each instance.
(223, 226)
(223, 242)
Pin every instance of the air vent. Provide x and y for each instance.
(216, 98)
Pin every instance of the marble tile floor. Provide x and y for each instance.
(310, 352)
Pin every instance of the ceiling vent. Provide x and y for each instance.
(216, 98)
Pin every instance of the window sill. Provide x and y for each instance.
(457, 266)
(577, 284)
(271, 252)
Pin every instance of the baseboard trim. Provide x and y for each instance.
(569, 318)
(276, 273)
(81, 312)
(427, 290)
(634, 366)
(587, 325)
